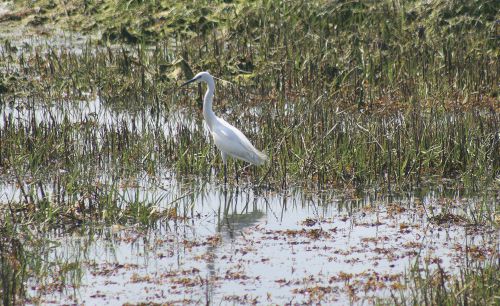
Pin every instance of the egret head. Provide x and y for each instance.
(200, 77)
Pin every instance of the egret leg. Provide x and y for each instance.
(236, 170)
(225, 174)
(224, 161)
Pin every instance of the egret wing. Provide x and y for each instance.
(234, 143)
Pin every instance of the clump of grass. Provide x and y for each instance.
(22, 255)
(372, 94)
(12, 268)
(472, 286)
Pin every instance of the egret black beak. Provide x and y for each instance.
(190, 81)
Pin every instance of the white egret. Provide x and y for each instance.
(230, 141)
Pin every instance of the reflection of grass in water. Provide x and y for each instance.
(65, 273)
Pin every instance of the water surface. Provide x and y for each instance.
(243, 245)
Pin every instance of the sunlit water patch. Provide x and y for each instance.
(245, 246)
(93, 111)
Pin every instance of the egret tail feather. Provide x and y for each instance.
(261, 158)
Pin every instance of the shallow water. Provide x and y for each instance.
(244, 245)
(240, 244)
(94, 112)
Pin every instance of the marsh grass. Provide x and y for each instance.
(339, 94)
(474, 285)
(316, 140)
(13, 269)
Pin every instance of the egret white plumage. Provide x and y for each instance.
(228, 139)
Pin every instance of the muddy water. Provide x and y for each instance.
(238, 245)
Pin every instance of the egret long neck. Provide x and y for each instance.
(208, 113)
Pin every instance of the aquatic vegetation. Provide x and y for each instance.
(473, 285)
(97, 139)
(319, 141)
